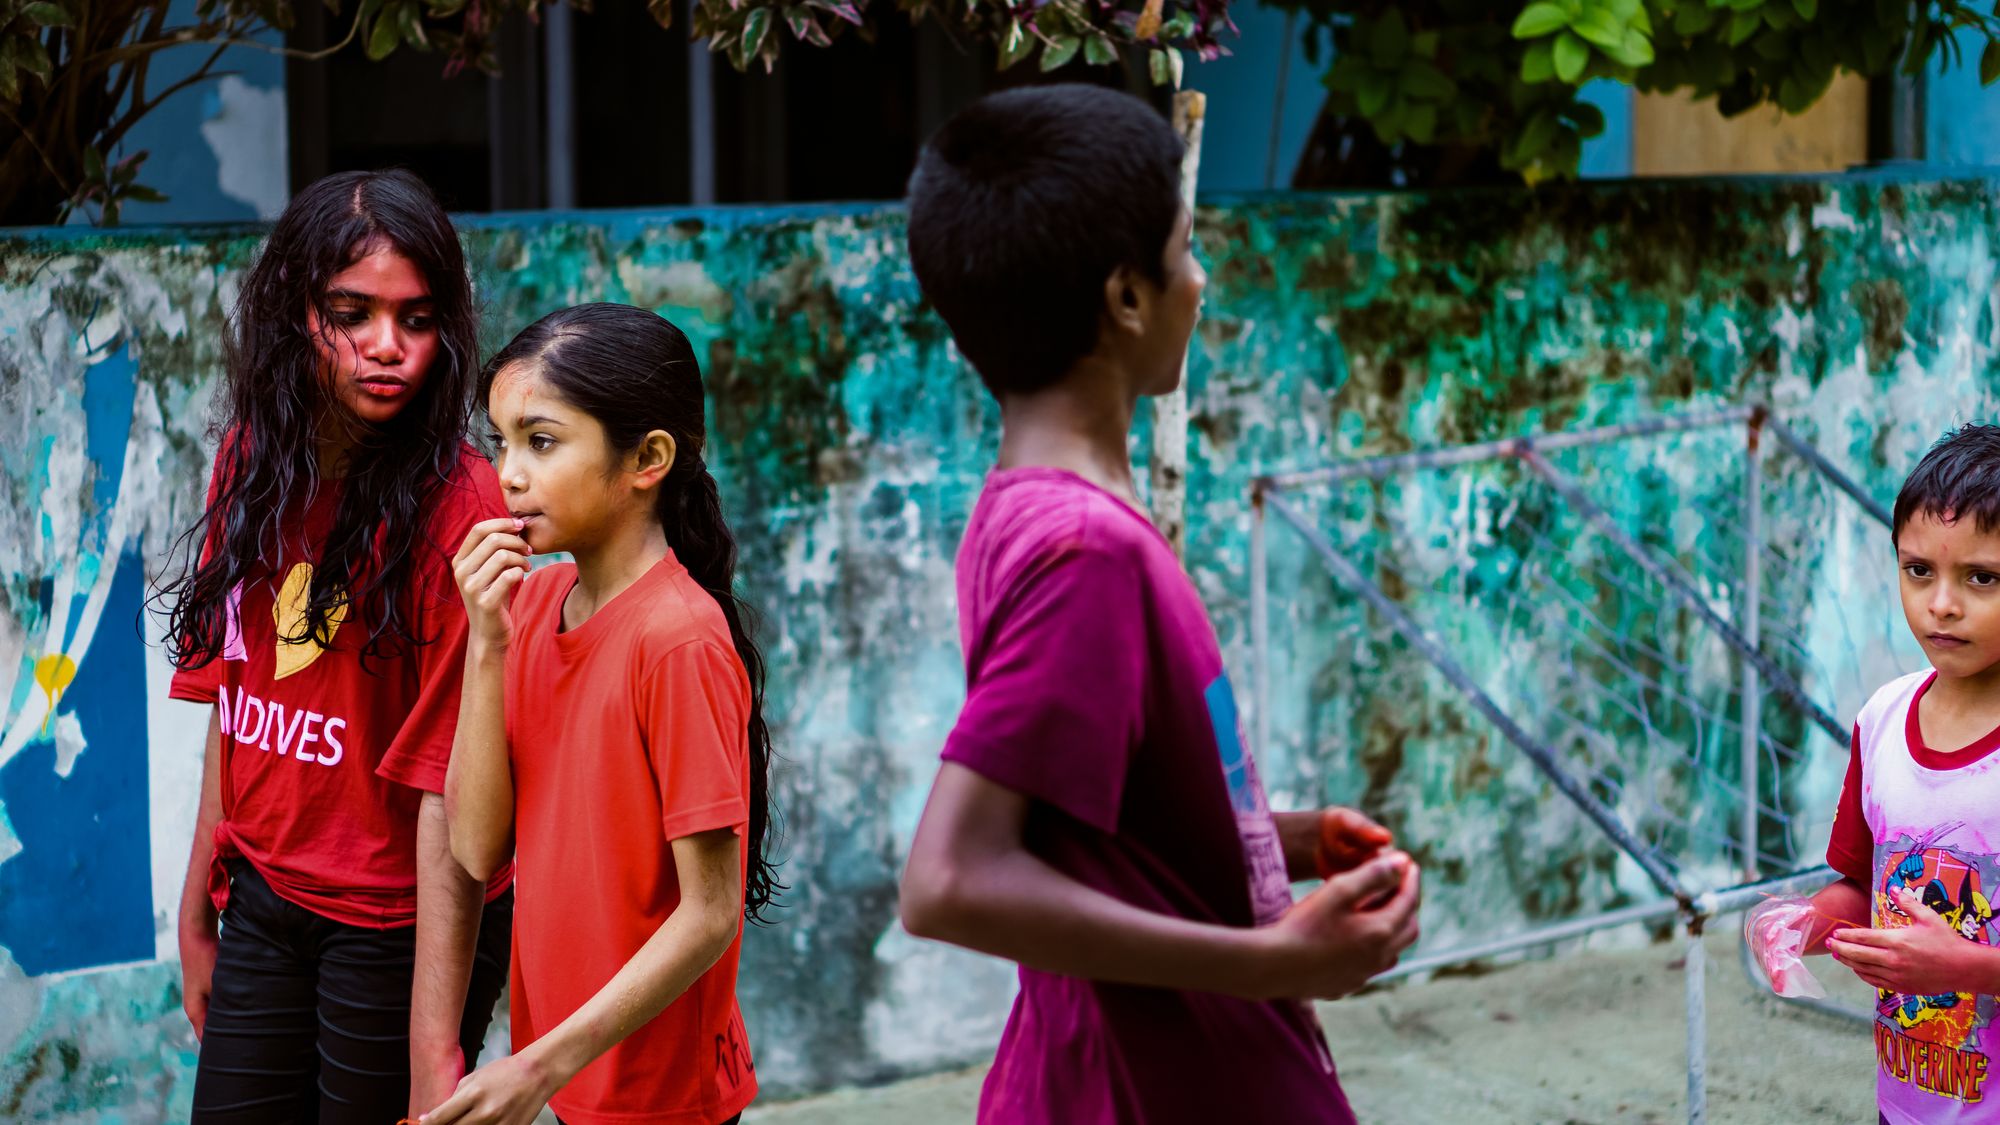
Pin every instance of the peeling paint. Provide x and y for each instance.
(850, 442)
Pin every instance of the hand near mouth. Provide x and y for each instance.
(490, 566)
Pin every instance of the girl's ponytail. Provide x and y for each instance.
(690, 510)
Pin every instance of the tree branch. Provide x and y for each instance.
(39, 151)
(140, 109)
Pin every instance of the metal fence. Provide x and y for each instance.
(1626, 646)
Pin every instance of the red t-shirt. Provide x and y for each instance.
(626, 733)
(323, 763)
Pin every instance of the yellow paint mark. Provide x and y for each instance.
(54, 672)
(289, 611)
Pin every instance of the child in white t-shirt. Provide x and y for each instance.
(1917, 833)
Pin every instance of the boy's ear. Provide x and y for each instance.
(654, 458)
(1125, 300)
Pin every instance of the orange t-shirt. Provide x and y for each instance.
(626, 733)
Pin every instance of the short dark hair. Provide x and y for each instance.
(1957, 479)
(1022, 205)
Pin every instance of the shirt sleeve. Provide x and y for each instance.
(203, 684)
(1851, 849)
(1055, 704)
(694, 707)
(421, 750)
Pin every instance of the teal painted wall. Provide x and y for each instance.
(850, 443)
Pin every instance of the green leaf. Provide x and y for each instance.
(1424, 44)
(756, 29)
(1989, 63)
(1636, 50)
(1538, 62)
(1792, 97)
(411, 25)
(10, 80)
(1373, 94)
(1692, 19)
(1539, 19)
(44, 14)
(1165, 65)
(1015, 43)
(1597, 27)
(384, 37)
(1060, 50)
(140, 193)
(1098, 50)
(1422, 80)
(32, 57)
(1571, 56)
(1742, 26)
(1388, 124)
(1389, 39)
(93, 164)
(1421, 123)
(1534, 137)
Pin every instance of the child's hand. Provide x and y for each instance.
(510, 1091)
(489, 568)
(1925, 958)
(1347, 839)
(1353, 927)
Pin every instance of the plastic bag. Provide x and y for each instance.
(1776, 931)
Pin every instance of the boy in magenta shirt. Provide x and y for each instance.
(1096, 818)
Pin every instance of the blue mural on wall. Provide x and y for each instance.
(76, 892)
(80, 891)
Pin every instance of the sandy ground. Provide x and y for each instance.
(1594, 1038)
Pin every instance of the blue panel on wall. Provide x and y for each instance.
(80, 892)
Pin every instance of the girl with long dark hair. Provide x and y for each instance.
(612, 736)
(354, 975)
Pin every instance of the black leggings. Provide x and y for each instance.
(309, 1019)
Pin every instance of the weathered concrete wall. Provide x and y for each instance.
(850, 443)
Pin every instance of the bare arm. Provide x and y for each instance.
(448, 903)
(479, 783)
(198, 919)
(1844, 903)
(971, 882)
(697, 934)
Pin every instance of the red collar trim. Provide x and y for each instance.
(1931, 759)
